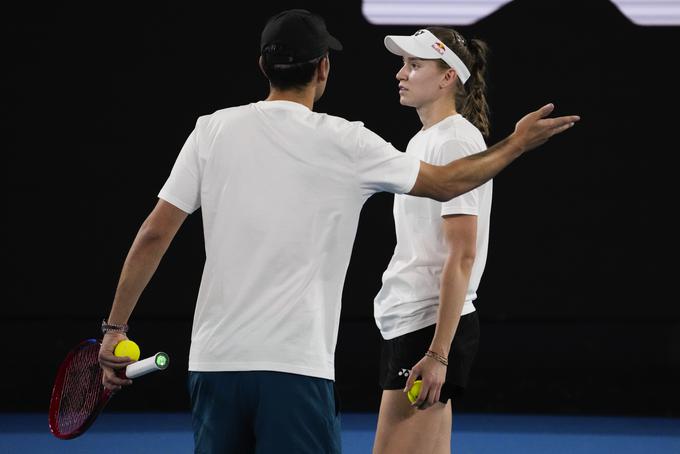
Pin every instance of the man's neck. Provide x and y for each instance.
(304, 96)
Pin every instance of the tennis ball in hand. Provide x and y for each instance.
(414, 391)
(127, 348)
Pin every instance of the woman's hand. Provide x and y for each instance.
(433, 375)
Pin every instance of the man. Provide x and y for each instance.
(281, 189)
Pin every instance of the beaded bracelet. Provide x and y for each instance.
(438, 357)
(113, 328)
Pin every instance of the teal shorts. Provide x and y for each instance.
(263, 412)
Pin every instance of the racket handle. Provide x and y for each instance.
(159, 361)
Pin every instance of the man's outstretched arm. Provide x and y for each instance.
(458, 177)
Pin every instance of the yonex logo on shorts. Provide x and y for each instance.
(404, 372)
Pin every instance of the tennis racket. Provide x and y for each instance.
(78, 395)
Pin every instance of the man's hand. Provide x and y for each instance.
(535, 129)
(112, 364)
(433, 374)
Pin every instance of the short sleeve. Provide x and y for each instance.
(383, 168)
(183, 186)
(451, 150)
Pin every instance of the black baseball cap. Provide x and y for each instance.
(295, 36)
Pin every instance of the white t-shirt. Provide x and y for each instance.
(280, 189)
(409, 297)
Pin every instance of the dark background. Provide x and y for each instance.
(578, 307)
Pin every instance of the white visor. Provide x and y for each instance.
(423, 44)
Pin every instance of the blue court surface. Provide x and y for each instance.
(168, 433)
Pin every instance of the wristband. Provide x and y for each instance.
(113, 328)
(436, 356)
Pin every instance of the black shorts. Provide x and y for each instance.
(400, 354)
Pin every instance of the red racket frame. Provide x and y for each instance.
(57, 390)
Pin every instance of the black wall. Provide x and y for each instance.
(578, 305)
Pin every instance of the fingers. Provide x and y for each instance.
(113, 377)
(409, 381)
(561, 124)
(115, 362)
(535, 129)
(562, 121)
(113, 380)
(428, 396)
(421, 401)
(561, 128)
(426, 399)
(115, 383)
(422, 394)
(571, 118)
(545, 110)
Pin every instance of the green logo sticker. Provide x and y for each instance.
(161, 360)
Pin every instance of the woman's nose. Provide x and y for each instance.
(401, 74)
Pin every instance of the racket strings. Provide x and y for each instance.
(82, 390)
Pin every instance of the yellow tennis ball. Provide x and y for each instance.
(414, 391)
(127, 348)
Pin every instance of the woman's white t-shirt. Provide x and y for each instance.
(409, 297)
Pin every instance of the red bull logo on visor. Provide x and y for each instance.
(439, 47)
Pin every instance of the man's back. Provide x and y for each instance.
(281, 189)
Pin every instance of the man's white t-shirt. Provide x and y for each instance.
(280, 189)
(409, 297)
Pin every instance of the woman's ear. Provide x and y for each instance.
(449, 78)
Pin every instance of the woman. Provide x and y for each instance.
(425, 309)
